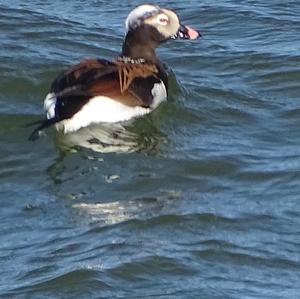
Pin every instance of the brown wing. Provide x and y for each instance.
(125, 86)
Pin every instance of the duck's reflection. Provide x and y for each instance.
(102, 138)
(111, 138)
(119, 211)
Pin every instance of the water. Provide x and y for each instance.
(200, 199)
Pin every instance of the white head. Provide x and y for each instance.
(137, 15)
(164, 20)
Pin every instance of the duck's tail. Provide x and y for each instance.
(42, 124)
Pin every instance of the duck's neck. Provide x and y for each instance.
(139, 47)
(141, 43)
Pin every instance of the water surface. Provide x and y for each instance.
(200, 199)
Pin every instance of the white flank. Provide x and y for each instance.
(159, 93)
(101, 109)
(49, 105)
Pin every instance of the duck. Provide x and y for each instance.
(132, 85)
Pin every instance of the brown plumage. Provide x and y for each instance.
(128, 72)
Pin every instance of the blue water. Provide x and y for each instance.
(200, 199)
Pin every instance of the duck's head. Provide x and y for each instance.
(163, 23)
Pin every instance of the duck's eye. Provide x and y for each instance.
(163, 21)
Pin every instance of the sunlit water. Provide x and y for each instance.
(200, 199)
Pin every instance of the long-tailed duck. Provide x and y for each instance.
(97, 90)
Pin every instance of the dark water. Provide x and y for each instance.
(200, 199)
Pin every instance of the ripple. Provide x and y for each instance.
(246, 260)
(82, 279)
(144, 268)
